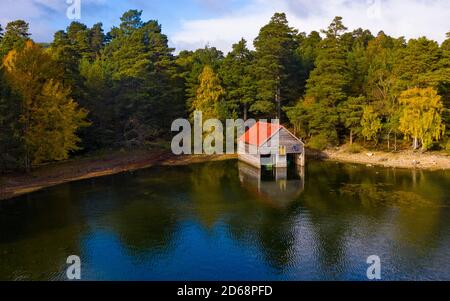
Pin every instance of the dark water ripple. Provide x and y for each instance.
(223, 221)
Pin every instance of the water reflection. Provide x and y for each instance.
(226, 220)
(278, 187)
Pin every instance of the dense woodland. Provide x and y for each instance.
(91, 90)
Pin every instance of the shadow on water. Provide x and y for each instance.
(227, 220)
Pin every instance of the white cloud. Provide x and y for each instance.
(43, 16)
(38, 13)
(409, 18)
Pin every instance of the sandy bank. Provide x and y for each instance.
(92, 167)
(404, 159)
(117, 162)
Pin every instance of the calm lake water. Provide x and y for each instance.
(223, 221)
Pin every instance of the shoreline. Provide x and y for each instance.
(77, 169)
(116, 162)
(433, 161)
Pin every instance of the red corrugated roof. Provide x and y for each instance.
(260, 133)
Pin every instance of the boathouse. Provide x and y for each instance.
(270, 145)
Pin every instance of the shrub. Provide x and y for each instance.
(354, 148)
(447, 146)
(319, 142)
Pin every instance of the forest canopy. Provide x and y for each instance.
(90, 89)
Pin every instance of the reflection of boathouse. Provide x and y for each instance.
(266, 144)
(278, 186)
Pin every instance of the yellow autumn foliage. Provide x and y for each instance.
(49, 117)
(209, 95)
(421, 117)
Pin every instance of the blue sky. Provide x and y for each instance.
(193, 23)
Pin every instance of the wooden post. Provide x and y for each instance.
(301, 159)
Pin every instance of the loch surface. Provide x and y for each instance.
(226, 221)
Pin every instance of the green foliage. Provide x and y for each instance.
(350, 113)
(344, 86)
(11, 148)
(354, 148)
(357, 43)
(447, 146)
(307, 53)
(131, 88)
(312, 119)
(318, 142)
(444, 83)
(381, 57)
(15, 36)
(238, 79)
(328, 83)
(275, 67)
(419, 65)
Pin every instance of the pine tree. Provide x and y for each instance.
(142, 71)
(307, 53)
(68, 58)
(328, 82)
(446, 44)
(130, 21)
(418, 64)
(101, 94)
(78, 36)
(310, 119)
(15, 36)
(238, 80)
(11, 148)
(444, 82)
(357, 62)
(350, 113)
(276, 67)
(97, 39)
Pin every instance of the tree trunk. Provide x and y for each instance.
(278, 101)
(415, 143)
(389, 140)
(25, 132)
(351, 137)
(27, 162)
(395, 142)
(245, 111)
(423, 145)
